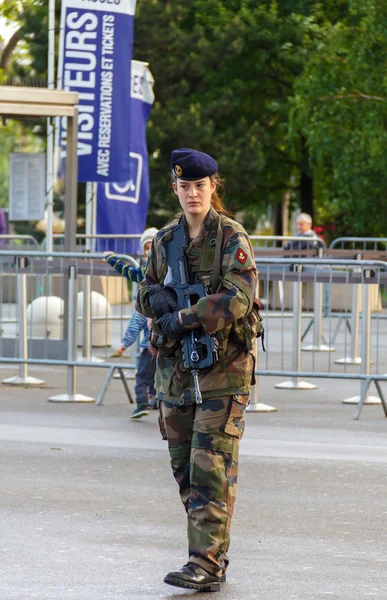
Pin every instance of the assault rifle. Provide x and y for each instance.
(199, 348)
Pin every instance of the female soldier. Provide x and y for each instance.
(203, 439)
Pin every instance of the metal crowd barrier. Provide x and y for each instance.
(283, 356)
(128, 244)
(283, 332)
(118, 243)
(273, 241)
(361, 246)
(19, 242)
(36, 342)
(358, 243)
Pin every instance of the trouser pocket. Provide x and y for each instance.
(235, 423)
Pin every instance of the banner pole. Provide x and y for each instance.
(87, 291)
(50, 129)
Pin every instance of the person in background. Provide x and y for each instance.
(304, 230)
(145, 375)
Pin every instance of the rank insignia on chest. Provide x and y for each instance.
(241, 256)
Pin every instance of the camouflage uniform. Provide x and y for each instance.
(204, 439)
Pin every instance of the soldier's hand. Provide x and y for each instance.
(107, 253)
(170, 326)
(161, 300)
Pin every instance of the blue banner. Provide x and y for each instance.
(122, 208)
(94, 60)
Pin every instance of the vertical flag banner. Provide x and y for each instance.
(122, 207)
(94, 60)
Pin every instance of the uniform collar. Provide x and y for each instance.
(210, 223)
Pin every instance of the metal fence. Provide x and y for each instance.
(129, 244)
(118, 243)
(359, 243)
(267, 242)
(90, 307)
(19, 242)
(344, 279)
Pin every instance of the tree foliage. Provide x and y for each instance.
(30, 17)
(222, 85)
(288, 96)
(340, 106)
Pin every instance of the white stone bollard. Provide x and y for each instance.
(100, 332)
(45, 318)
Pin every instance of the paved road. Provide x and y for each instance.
(90, 509)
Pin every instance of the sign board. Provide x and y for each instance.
(95, 54)
(122, 206)
(27, 186)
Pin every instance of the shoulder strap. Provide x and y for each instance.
(215, 279)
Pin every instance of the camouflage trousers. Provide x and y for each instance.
(203, 442)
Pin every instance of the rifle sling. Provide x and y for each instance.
(215, 283)
(215, 280)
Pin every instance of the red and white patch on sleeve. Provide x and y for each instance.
(241, 256)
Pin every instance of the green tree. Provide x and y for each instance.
(340, 107)
(222, 86)
(30, 17)
(288, 96)
(225, 75)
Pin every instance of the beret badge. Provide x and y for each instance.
(178, 170)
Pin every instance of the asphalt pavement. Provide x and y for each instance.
(90, 511)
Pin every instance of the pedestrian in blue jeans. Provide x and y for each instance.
(145, 376)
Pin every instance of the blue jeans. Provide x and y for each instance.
(145, 377)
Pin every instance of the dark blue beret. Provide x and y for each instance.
(190, 164)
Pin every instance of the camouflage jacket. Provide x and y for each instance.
(222, 312)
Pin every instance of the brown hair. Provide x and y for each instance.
(217, 197)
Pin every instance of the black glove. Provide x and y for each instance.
(170, 326)
(161, 300)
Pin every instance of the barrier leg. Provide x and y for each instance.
(364, 397)
(255, 405)
(381, 395)
(87, 322)
(71, 395)
(86, 332)
(105, 386)
(317, 345)
(336, 331)
(126, 387)
(307, 329)
(108, 380)
(295, 383)
(86, 341)
(353, 358)
(23, 379)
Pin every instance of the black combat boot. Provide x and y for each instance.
(193, 576)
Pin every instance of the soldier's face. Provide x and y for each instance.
(195, 196)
